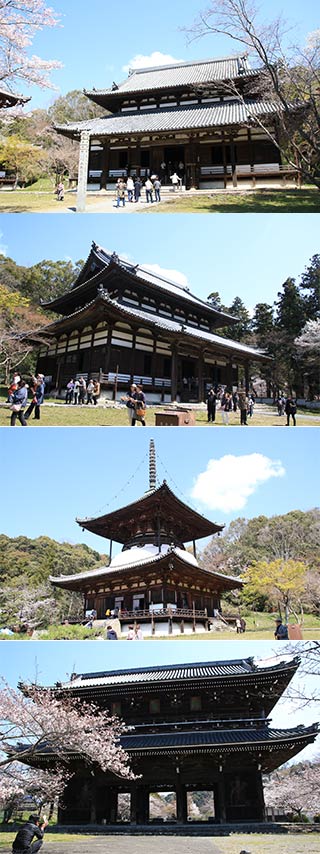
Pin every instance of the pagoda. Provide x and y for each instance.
(154, 579)
(204, 120)
(122, 323)
(194, 728)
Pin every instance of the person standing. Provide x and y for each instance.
(243, 406)
(211, 405)
(157, 188)
(34, 827)
(120, 192)
(281, 632)
(82, 390)
(38, 398)
(90, 388)
(225, 407)
(69, 394)
(130, 188)
(137, 188)
(19, 400)
(175, 181)
(140, 407)
(149, 190)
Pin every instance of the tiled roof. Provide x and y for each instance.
(169, 325)
(173, 119)
(178, 672)
(144, 562)
(218, 737)
(179, 74)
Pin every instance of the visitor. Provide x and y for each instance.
(19, 400)
(23, 841)
(175, 180)
(120, 192)
(76, 392)
(69, 394)
(96, 392)
(138, 633)
(251, 403)
(157, 188)
(243, 406)
(60, 192)
(235, 400)
(13, 386)
(225, 407)
(211, 405)
(281, 631)
(243, 625)
(238, 626)
(139, 411)
(37, 398)
(149, 190)
(131, 633)
(90, 388)
(137, 188)
(290, 410)
(130, 189)
(111, 633)
(82, 390)
(130, 402)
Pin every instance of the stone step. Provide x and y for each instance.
(190, 829)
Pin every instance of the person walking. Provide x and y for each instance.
(37, 399)
(76, 392)
(19, 400)
(69, 394)
(82, 390)
(149, 190)
(157, 188)
(120, 192)
(140, 407)
(211, 405)
(175, 180)
(130, 402)
(281, 631)
(96, 392)
(251, 403)
(34, 827)
(130, 188)
(290, 410)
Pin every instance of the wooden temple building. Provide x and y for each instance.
(204, 120)
(123, 323)
(154, 579)
(195, 728)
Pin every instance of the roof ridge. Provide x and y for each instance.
(181, 63)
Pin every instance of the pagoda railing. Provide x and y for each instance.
(163, 612)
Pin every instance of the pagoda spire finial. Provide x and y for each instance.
(152, 466)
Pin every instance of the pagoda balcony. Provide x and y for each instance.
(164, 613)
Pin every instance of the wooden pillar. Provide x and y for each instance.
(220, 806)
(105, 166)
(247, 375)
(260, 797)
(229, 375)
(233, 163)
(108, 353)
(153, 362)
(142, 805)
(133, 355)
(133, 807)
(200, 378)
(112, 806)
(174, 372)
(182, 807)
(83, 171)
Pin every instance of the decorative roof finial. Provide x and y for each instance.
(152, 466)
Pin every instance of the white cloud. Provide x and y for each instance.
(154, 59)
(173, 275)
(3, 246)
(228, 482)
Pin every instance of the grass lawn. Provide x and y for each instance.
(261, 201)
(257, 843)
(60, 415)
(40, 198)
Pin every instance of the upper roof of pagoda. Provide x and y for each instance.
(176, 76)
(101, 266)
(161, 503)
(11, 99)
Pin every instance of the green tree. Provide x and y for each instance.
(27, 161)
(74, 107)
(310, 282)
(283, 581)
(242, 329)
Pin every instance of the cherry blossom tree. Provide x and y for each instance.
(33, 720)
(18, 782)
(294, 790)
(20, 21)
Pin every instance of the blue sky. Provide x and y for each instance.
(97, 39)
(52, 661)
(248, 256)
(54, 475)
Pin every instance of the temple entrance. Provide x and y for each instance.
(162, 807)
(200, 805)
(124, 807)
(174, 160)
(188, 385)
(138, 602)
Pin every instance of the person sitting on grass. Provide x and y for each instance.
(33, 827)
